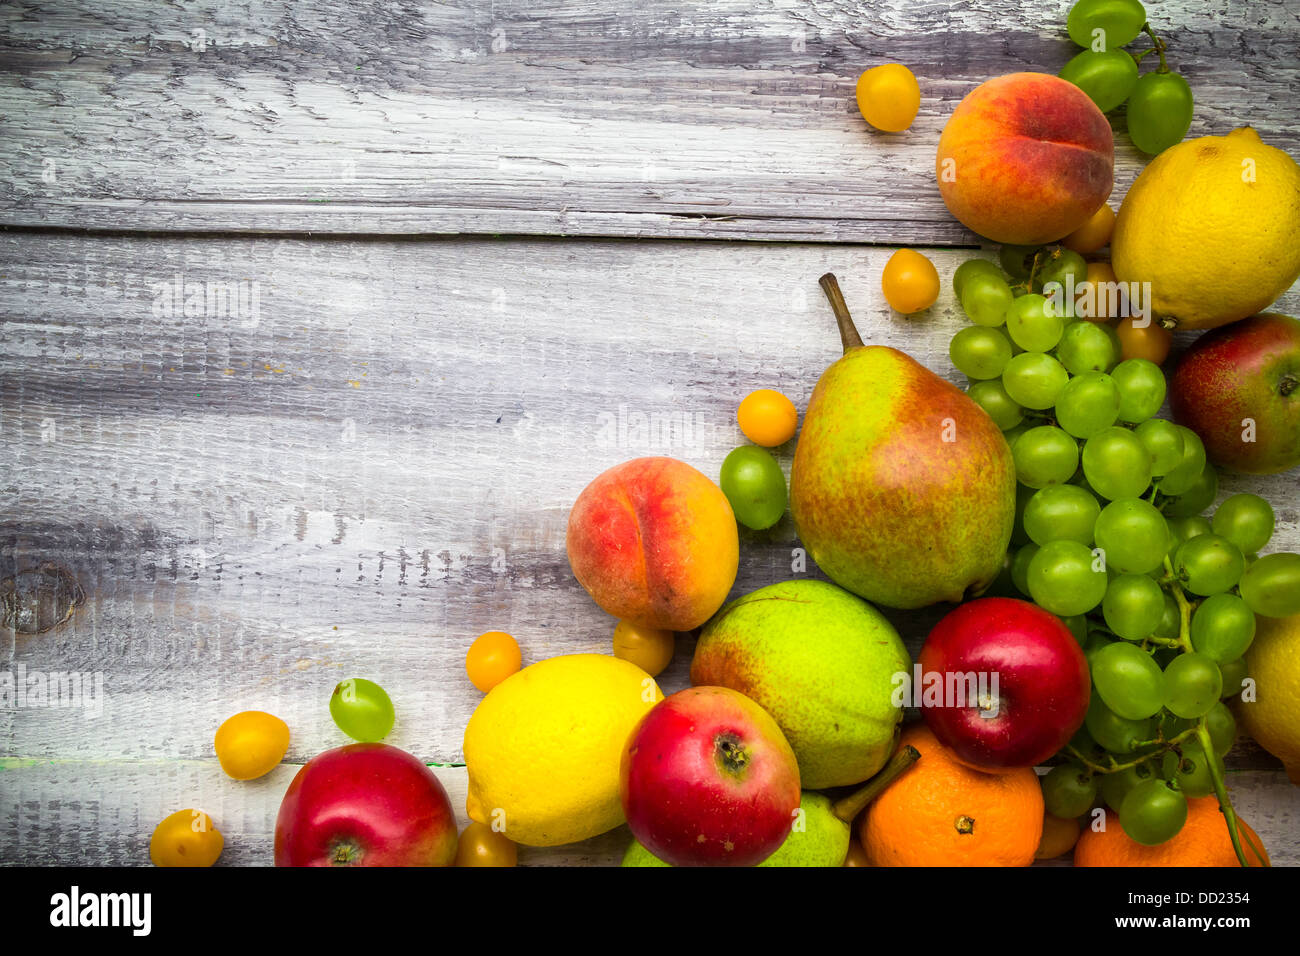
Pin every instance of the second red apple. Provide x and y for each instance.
(1030, 676)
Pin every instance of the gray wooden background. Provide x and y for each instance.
(482, 251)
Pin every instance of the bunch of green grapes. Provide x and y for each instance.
(1160, 102)
(1109, 536)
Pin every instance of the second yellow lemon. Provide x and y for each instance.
(1273, 718)
(543, 747)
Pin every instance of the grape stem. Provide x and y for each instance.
(1184, 608)
(1221, 791)
(1202, 728)
(1116, 767)
(1159, 46)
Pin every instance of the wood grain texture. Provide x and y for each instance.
(364, 475)
(709, 118)
(80, 812)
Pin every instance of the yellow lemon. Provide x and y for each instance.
(1211, 223)
(543, 747)
(1273, 718)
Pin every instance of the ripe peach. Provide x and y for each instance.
(1026, 159)
(654, 542)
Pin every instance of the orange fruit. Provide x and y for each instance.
(1151, 342)
(1059, 837)
(1093, 299)
(910, 282)
(941, 813)
(1094, 233)
(648, 648)
(492, 658)
(767, 417)
(1203, 841)
(889, 97)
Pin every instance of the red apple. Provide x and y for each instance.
(365, 805)
(708, 779)
(1034, 692)
(1238, 387)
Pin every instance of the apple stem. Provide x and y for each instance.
(849, 807)
(848, 331)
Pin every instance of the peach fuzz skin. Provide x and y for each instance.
(654, 542)
(1025, 158)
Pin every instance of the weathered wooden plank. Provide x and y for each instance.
(713, 118)
(366, 472)
(81, 812)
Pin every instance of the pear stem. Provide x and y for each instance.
(848, 331)
(849, 807)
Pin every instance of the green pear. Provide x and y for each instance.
(817, 838)
(902, 489)
(822, 662)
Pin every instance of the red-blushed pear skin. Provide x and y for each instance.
(1042, 691)
(365, 805)
(902, 489)
(1025, 158)
(1238, 387)
(708, 779)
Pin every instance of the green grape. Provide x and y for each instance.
(1034, 380)
(1163, 442)
(1033, 324)
(1196, 498)
(1086, 347)
(1246, 520)
(1159, 111)
(1188, 471)
(1129, 681)
(1192, 685)
(1107, 76)
(1171, 621)
(1222, 727)
(1065, 578)
(1105, 24)
(997, 404)
(1088, 403)
(1020, 567)
(979, 352)
(1045, 455)
(362, 709)
(973, 267)
(1068, 791)
(1134, 606)
(1018, 261)
(1133, 535)
(1078, 626)
(1095, 642)
(1061, 512)
(1062, 272)
(1116, 464)
(1209, 564)
(1141, 388)
(985, 299)
(754, 484)
(1184, 529)
(1114, 787)
(1234, 673)
(1153, 812)
(1223, 628)
(1193, 776)
(1271, 586)
(1114, 733)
